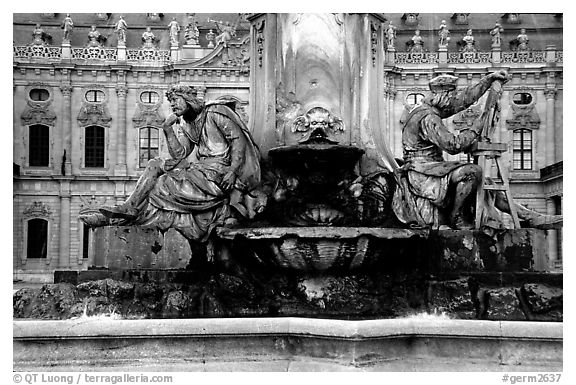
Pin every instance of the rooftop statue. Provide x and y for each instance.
(120, 28)
(226, 31)
(416, 44)
(67, 26)
(174, 28)
(432, 192)
(390, 35)
(495, 33)
(191, 32)
(194, 193)
(94, 37)
(443, 34)
(469, 42)
(148, 38)
(39, 35)
(522, 40)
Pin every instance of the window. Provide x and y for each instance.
(37, 238)
(148, 145)
(522, 150)
(39, 94)
(149, 97)
(39, 145)
(94, 96)
(413, 99)
(522, 98)
(94, 147)
(85, 241)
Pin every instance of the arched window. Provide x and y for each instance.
(38, 145)
(522, 98)
(94, 146)
(148, 145)
(149, 97)
(39, 94)
(414, 98)
(94, 96)
(522, 149)
(37, 242)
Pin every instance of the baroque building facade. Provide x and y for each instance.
(89, 103)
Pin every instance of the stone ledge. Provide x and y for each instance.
(210, 327)
(288, 344)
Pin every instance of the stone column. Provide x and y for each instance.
(64, 261)
(552, 235)
(66, 168)
(550, 94)
(120, 168)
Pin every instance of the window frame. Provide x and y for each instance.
(148, 129)
(103, 147)
(32, 149)
(522, 149)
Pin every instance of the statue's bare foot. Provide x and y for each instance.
(120, 211)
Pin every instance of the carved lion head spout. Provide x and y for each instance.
(315, 124)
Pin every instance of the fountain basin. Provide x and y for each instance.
(317, 249)
(317, 155)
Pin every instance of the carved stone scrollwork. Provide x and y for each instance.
(523, 117)
(148, 115)
(260, 41)
(94, 114)
(37, 210)
(550, 93)
(66, 89)
(374, 42)
(38, 112)
(90, 205)
(121, 91)
(465, 119)
(410, 19)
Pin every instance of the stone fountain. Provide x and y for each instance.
(327, 244)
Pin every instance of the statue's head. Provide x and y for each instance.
(184, 102)
(443, 93)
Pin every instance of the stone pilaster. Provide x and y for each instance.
(550, 94)
(64, 260)
(552, 235)
(66, 168)
(120, 168)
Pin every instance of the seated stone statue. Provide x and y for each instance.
(432, 192)
(194, 192)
